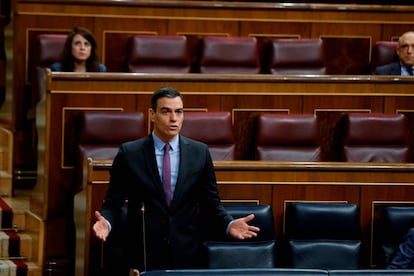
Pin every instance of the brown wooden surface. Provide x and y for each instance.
(369, 186)
(245, 96)
(342, 26)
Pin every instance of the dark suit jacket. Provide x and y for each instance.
(389, 69)
(404, 257)
(173, 235)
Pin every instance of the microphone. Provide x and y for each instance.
(144, 243)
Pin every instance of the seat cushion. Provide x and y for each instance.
(325, 254)
(241, 254)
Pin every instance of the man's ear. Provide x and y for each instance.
(152, 114)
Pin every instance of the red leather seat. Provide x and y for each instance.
(229, 55)
(47, 49)
(287, 137)
(296, 56)
(376, 138)
(100, 134)
(158, 54)
(213, 128)
(383, 52)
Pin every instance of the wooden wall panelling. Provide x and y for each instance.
(281, 28)
(166, 18)
(181, 17)
(398, 103)
(204, 26)
(391, 32)
(61, 171)
(23, 126)
(347, 55)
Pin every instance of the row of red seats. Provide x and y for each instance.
(216, 54)
(366, 137)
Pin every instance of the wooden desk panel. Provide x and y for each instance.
(110, 20)
(245, 96)
(278, 183)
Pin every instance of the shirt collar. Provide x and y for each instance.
(159, 144)
(404, 69)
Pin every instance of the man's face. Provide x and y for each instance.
(168, 118)
(405, 49)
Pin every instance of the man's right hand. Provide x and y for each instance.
(101, 227)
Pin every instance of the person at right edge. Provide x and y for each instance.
(166, 232)
(405, 53)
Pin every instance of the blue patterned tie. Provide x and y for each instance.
(166, 173)
(410, 71)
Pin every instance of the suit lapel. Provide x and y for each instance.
(151, 163)
(396, 69)
(182, 172)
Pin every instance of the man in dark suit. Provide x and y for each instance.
(166, 232)
(405, 53)
(404, 257)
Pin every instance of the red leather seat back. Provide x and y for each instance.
(297, 56)
(47, 49)
(376, 138)
(100, 134)
(158, 54)
(233, 55)
(383, 52)
(214, 129)
(287, 137)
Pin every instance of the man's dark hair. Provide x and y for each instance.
(162, 92)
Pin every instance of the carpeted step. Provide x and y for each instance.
(6, 215)
(16, 246)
